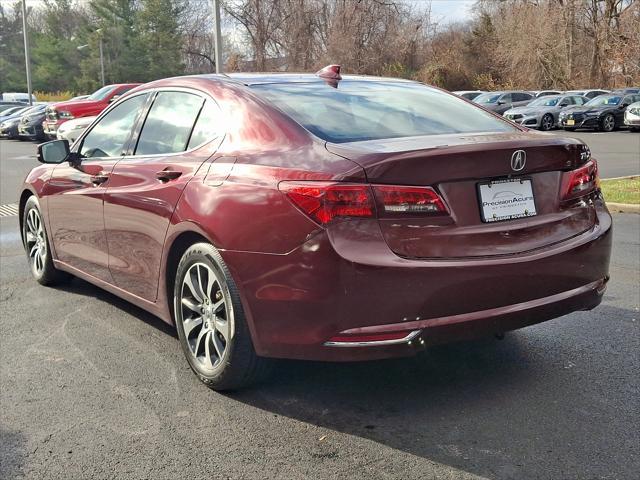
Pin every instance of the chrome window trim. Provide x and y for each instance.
(154, 91)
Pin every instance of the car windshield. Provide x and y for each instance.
(487, 98)
(545, 101)
(102, 93)
(604, 100)
(367, 110)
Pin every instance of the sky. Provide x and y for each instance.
(447, 11)
(442, 11)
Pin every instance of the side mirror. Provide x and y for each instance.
(625, 105)
(501, 102)
(563, 104)
(114, 98)
(55, 151)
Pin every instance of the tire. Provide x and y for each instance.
(546, 123)
(211, 324)
(37, 246)
(608, 123)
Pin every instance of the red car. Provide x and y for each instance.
(95, 103)
(318, 217)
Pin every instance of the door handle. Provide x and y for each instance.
(99, 179)
(166, 175)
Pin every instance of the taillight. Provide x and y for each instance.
(580, 182)
(401, 199)
(324, 201)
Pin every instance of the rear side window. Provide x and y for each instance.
(208, 125)
(521, 97)
(168, 125)
(370, 110)
(108, 137)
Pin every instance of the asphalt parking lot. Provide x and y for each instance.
(92, 387)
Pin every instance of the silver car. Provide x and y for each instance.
(632, 117)
(543, 112)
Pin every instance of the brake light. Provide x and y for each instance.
(400, 199)
(324, 201)
(580, 182)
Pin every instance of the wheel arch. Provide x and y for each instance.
(24, 196)
(176, 249)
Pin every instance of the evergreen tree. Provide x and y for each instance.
(161, 39)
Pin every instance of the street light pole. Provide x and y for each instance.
(101, 63)
(218, 36)
(26, 49)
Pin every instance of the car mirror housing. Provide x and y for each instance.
(114, 98)
(56, 151)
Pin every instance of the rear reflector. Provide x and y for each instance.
(580, 182)
(324, 201)
(400, 199)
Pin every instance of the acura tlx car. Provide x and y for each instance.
(318, 217)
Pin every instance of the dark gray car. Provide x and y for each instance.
(500, 102)
(543, 112)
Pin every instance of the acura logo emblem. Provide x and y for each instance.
(518, 160)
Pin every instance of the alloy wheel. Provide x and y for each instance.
(36, 241)
(608, 123)
(547, 122)
(206, 315)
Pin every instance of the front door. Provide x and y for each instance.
(146, 185)
(75, 191)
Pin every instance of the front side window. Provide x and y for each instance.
(102, 93)
(169, 123)
(109, 136)
(366, 110)
(578, 100)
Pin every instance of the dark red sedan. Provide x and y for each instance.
(318, 217)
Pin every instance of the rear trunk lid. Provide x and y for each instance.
(456, 166)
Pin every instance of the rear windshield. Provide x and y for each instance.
(367, 110)
(604, 100)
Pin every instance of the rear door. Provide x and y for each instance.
(179, 133)
(75, 192)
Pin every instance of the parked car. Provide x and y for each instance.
(18, 97)
(9, 123)
(589, 93)
(72, 129)
(30, 125)
(9, 112)
(7, 105)
(632, 117)
(500, 102)
(545, 93)
(627, 90)
(543, 112)
(272, 217)
(468, 94)
(58, 113)
(605, 113)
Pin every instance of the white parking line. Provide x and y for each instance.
(9, 210)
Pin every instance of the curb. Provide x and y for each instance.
(623, 207)
(621, 178)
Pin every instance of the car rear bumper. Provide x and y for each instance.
(346, 283)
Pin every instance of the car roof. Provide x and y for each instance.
(265, 78)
